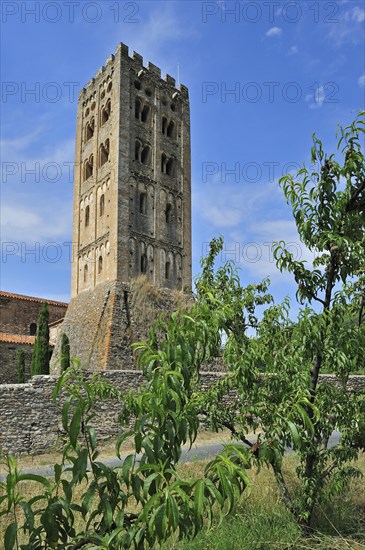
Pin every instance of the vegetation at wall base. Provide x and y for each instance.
(21, 366)
(65, 353)
(274, 376)
(41, 349)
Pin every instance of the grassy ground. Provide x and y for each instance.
(261, 522)
(107, 450)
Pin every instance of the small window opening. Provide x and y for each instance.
(86, 269)
(100, 265)
(167, 270)
(137, 150)
(137, 84)
(170, 167)
(171, 129)
(168, 212)
(87, 215)
(33, 329)
(137, 109)
(143, 203)
(164, 125)
(145, 113)
(143, 263)
(145, 156)
(101, 205)
(163, 163)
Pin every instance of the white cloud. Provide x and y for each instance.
(357, 15)
(347, 27)
(274, 31)
(316, 99)
(36, 205)
(361, 81)
(222, 216)
(293, 50)
(35, 221)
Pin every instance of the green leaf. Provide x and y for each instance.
(199, 498)
(127, 466)
(10, 536)
(33, 477)
(92, 437)
(295, 435)
(160, 521)
(75, 427)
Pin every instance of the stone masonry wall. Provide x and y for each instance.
(18, 313)
(31, 422)
(103, 323)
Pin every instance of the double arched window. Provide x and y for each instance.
(168, 165)
(88, 167)
(142, 153)
(168, 128)
(105, 112)
(89, 129)
(104, 153)
(142, 111)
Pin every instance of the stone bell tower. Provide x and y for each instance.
(132, 203)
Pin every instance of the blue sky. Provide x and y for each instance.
(262, 76)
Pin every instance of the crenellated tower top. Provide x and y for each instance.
(132, 189)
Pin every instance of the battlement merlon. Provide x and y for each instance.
(136, 60)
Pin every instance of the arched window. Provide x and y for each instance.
(143, 203)
(88, 168)
(163, 163)
(86, 270)
(101, 205)
(171, 129)
(170, 167)
(168, 212)
(105, 112)
(87, 215)
(137, 150)
(104, 153)
(145, 113)
(143, 263)
(137, 109)
(89, 129)
(164, 125)
(145, 155)
(100, 265)
(33, 329)
(167, 270)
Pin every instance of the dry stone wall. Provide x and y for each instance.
(31, 422)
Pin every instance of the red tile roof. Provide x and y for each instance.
(31, 299)
(16, 338)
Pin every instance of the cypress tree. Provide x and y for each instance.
(65, 352)
(21, 366)
(40, 356)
